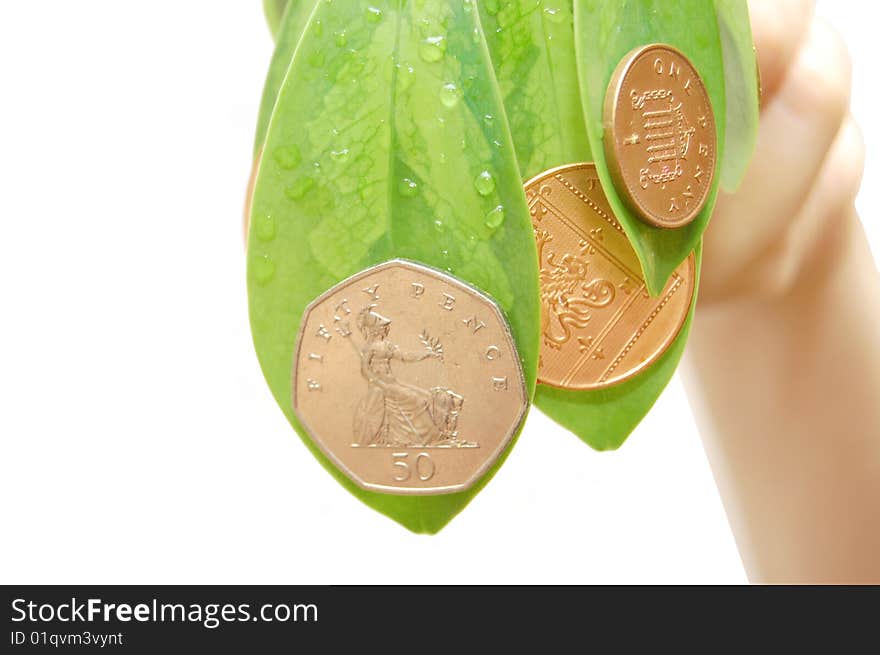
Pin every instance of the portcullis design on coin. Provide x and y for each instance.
(660, 137)
(408, 379)
(599, 324)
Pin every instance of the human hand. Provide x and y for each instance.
(807, 166)
(784, 357)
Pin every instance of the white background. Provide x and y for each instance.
(139, 441)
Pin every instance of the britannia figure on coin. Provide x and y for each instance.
(394, 413)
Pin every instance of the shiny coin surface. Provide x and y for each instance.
(599, 325)
(408, 379)
(660, 137)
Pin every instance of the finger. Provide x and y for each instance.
(797, 130)
(779, 27)
(816, 229)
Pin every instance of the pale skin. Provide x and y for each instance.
(783, 364)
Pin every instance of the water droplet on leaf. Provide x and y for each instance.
(406, 75)
(554, 15)
(449, 94)
(299, 188)
(408, 188)
(484, 183)
(264, 270)
(287, 157)
(264, 227)
(374, 14)
(339, 156)
(433, 48)
(495, 218)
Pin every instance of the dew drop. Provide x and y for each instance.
(408, 188)
(406, 75)
(374, 14)
(495, 218)
(484, 183)
(433, 48)
(316, 59)
(438, 225)
(449, 94)
(318, 28)
(287, 157)
(488, 120)
(341, 38)
(299, 188)
(554, 15)
(339, 156)
(264, 227)
(264, 270)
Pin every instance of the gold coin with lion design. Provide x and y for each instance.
(408, 379)
(599, 325)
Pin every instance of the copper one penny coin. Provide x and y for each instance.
(599, 325)
(660, 139)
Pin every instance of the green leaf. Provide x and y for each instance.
(605, 418)
(605, 31)
(288, 35)
(387, 117)
(532, 46)
(741, 89)
(532, 49)
(274, 10)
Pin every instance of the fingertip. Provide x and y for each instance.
(819, 81)
(778, 29)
